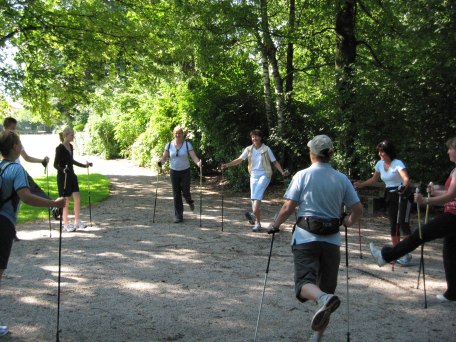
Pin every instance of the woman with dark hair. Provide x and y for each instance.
(393, 173)
(442, 226)
(259, 157)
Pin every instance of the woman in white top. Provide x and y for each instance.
(259, 158)
(178, 152)
(393, 173)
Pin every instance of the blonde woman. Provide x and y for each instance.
(67, 181)
(178, 151)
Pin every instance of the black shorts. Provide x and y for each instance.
(71, 185)
(316, 263)
(7, 233)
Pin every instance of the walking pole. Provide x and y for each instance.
(422, 245)
(90, 204)
(346, 266)
(156, 188)
(222, 199)
(57, 335)
(49, 209)
(201, 191)
(359, 239)
(264, 287)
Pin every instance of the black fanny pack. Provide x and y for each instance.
(319, 226)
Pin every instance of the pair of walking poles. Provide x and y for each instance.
(347, 281)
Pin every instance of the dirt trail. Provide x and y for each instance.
(128, 279)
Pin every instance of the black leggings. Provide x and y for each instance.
(443, 226)
(392, 204)
(181, 187)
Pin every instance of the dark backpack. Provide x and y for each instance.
(2, 169)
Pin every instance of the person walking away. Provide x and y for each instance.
(393, 173)
(178, 151)
(442, 226)
(67, 181)
(319, 192)
(14, 188)
(10, 125)
(259, 157)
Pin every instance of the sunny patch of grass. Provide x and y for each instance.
(99, 190)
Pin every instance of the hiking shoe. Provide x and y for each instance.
(321, 318)
(80, 225)
(316, 338)
(55, 213)
(405, 260)
(377, 254)
(178, 220)
(70, 228)
(256, 227)
(3, 330)
(442, 298)
(250, 217)
(192, 206)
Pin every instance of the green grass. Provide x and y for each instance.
(99, 190)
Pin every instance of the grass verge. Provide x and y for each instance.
(99, 190)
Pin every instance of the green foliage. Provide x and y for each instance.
(101, 129)
(99, 190)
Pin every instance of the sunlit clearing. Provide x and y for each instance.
(33, 301)
(141, 286)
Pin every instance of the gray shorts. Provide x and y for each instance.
(316, 263)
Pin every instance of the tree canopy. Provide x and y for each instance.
(127, 71)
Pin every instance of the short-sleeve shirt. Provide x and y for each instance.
(13, 178)
(179, 157)
(257, 165)
(321, 191)
(392, 177)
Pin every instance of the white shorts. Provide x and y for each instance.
(258, 186)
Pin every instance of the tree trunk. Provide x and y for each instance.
(345, 57)
(290, 52)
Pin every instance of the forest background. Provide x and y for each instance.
(125, 72)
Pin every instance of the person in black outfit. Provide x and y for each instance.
(67, 181)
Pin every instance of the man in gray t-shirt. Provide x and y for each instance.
(319, 192)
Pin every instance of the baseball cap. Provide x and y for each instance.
(320, 143)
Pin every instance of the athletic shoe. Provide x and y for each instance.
(321, 318)
(3, 330)
(80, 225)
(250, 217)
(316, 338)
(442, 298)
(178, 220)
(405, 260)
(256, 227)
(377, 254)
(56, 213)
(192, 206)
(70, 228)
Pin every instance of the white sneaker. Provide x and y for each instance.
(81, 225)
(256, 227)
(405, 260)
(316, 338)
(321, 318)
(3, 330)
(377, 254)
(70, 228)
(442, 298)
